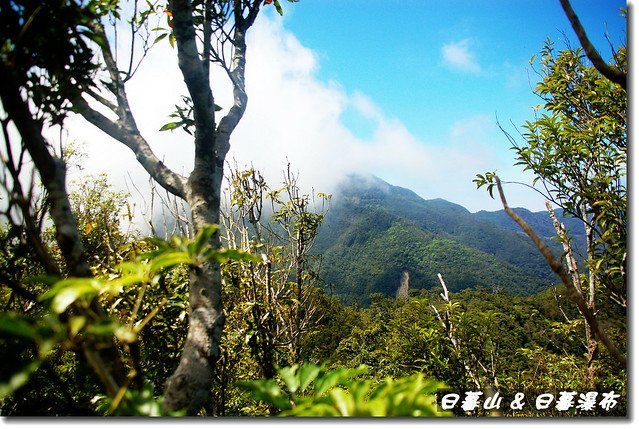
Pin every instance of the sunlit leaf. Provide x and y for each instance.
(307, 374)
(125, 334)
(76, 323)
(289, 377)
(169, 259)
(169, 126)
(343, 401)
(67, 291)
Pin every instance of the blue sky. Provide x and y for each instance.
(407, 90)
(392, 51)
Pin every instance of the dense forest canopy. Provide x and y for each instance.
(233, 316)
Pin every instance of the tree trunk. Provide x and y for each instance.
(52, 170)
(190, 385)
(591, 339)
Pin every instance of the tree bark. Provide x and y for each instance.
(613, 74)
(190, 385)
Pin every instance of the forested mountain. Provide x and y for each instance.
(375, 231)
(539, 221)
(230, 316)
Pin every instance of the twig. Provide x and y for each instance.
(558, 268)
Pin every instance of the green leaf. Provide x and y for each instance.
(125, 334)
(169, 259)
(67, 291)
(267, 391)
(201, 239)
(76, 324)
(125, 281)
(169, 126)
(160, 37)
(278, 7)
(306, 375)
(224, 255)
(289, 377)
(336, 377)
(343, 401)
(320, 409)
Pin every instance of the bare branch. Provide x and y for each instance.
(611, 73)
(558, 268)
(131, 138)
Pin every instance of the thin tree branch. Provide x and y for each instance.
(611, 73)
(558, 268)
(131, 138)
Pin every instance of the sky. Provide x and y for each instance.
(410, 91)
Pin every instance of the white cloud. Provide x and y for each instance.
(293, 116)
(458, 56)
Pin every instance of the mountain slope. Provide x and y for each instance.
(375, 231)
(540, 223)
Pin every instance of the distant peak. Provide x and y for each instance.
(357, 183)
(366, 180)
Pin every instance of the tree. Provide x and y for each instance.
(577, 149)
(279, 294)
(50, 69)
(73, 65)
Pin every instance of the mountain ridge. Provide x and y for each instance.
(375, 231)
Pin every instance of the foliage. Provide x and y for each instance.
(577, 149)
(308, 390)
(103, 218)
(379, 360)
(48, 48)
(133, 403)
(508, 343)
(60, 329)
(374, 232)
(272, 305)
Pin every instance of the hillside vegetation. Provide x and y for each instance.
(479, 336)
(375, 231)
(263, 300)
